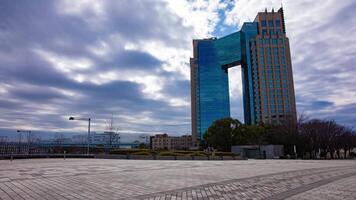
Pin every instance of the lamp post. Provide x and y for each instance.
(28, 138)
(84, 119)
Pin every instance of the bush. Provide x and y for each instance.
(170, 153)
(198, 154)
(143, 153)
(225, 154)
(184, 152)
(126, 151)
(193, 153)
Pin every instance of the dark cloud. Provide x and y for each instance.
(321, 104)
(133, 19)
(136, 59)
(179, 88)
(35, 95)
(307, 105)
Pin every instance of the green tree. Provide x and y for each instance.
(250, 134)
(220, 134)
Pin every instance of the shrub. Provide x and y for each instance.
(183, 152)
(126, 151)
(198, 154)
(225, 154)
(144, 153)
(170, 153)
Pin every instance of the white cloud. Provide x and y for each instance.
(246, 10)
(100, 49)
(63, 63)
(235, 82)
(201, 15)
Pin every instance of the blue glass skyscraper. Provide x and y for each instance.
(261, 48)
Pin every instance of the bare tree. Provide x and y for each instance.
(346, 141)
(315, 137)
(59, 139)
(3, 139)
(112, 131)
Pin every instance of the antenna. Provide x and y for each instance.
(110, 123)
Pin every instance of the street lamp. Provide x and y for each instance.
(84, 119)
(28, 138)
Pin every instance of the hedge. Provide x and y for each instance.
(127, 151)
(198, 154)
(225, 154)
(144, 153)
(170, 153)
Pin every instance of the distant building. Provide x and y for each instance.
(79, 139)
(163, 141)
(3, 139)
(107, 137)
(21, 148)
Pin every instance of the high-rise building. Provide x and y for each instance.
(262, 50)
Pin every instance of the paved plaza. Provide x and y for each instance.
(158, 179)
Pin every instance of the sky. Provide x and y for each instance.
(130, 59)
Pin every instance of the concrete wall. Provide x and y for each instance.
(255, 151)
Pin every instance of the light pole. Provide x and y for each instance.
(84, 119)
(28, 138)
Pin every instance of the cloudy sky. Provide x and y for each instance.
(130, 59)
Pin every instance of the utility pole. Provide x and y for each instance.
(88, 137)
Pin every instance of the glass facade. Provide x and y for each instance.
(213, 87)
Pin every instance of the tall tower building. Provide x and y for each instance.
(262, 50)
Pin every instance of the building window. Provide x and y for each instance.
(278, 23)
(263, 23)
(264, 32)
(270, 23)
(274, 41)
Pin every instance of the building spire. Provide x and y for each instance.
(281, 8)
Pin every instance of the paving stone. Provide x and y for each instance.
(160, 179)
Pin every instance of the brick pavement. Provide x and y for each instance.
(341, 189)
(147, 179)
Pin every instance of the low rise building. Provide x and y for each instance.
(108, 138)
(163, 141)
(259, 151)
